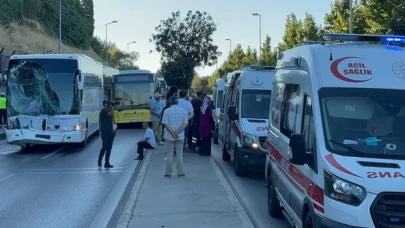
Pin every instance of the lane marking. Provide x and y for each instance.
(71, 172)
(8, 152)
(6, 177)
(3, 141)
(53, 153)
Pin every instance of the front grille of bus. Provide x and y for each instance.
(388, 210)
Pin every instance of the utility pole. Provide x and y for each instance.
(351, 16)
(106, 40)
(260, 32)
(60, 26)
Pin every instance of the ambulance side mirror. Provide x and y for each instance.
(297, 149)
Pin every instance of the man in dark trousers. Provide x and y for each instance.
(107, 133)
(195, 124)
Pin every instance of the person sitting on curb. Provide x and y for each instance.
(148, 142)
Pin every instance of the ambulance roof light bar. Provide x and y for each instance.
(364, 38)
(311, 42)
(258, 68)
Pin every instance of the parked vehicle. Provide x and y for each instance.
(217, 100)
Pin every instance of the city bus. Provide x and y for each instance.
(108, 74)
(135, 89)
(53, 99)
(162, 86)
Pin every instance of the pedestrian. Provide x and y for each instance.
(148, 141)
(3, 110)
(107, 133)
(195, 125)
(186, 105)
(175, 120)
(207, 125)
(156, 114)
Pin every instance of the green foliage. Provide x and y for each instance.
(185, 42)
(196, 84)
(268, 57)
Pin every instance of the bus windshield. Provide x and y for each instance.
(134, 95)
(255, 104)
(41, 86)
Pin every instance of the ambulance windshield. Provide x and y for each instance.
(255, 104)
(371, 121)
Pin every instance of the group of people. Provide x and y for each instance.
(182, 121)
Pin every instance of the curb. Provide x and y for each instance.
(236, 204)
(127, 212)
(113, 206)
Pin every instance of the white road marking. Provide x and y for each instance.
(3, 141)
(51, 154)
(6, 177)
(8, 152)
(72, 172)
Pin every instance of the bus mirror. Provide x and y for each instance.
(80, 81)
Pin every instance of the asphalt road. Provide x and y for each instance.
(251, 191)
(58, 186)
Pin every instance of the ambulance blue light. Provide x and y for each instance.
(393, 39)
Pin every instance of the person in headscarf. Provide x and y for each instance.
(207, 124)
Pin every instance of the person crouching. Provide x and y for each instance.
(148, 142)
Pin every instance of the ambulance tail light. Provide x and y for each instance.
(342, 190)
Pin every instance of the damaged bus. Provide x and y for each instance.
(53, 98)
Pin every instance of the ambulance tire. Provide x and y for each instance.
(273, 203)
(239, 170)
(225, 155)
(309, 222)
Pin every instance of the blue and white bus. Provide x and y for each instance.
(53, 99)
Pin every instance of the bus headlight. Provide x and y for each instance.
(343, 191)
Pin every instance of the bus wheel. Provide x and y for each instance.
(84, 143)
(27, 147)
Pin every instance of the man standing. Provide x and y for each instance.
(107, 133)
(186, 105)
(156, 111)
(175, 120)
(3, 110)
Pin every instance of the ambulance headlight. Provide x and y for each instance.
(247, 139)
(342, 190)
(76, 128)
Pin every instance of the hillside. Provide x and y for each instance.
(33, 39)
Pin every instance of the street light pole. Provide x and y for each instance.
(106, 40)
(133, 42)
(60, 26)
(351, 16)
(260, 32)
(230, 46)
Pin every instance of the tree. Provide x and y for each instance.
(337, 20)
(268, 58)
(196, 85)
(235, 60)
(292, 34)
(310, 30)
(250, 57)
(88, 11)
(385, 16)
(187, 42)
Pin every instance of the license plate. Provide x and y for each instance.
(134, 121)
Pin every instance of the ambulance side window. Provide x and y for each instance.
(289, 110)
(276, 103)
(308, 129)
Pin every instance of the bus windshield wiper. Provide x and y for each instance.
(349, 148)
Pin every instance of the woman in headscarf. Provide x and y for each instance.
(206, 127)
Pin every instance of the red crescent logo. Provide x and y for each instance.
(256, 84)
(335, 71)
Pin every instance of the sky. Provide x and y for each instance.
(137, 20)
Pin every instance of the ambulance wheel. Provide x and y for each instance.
(225, 155)
(273, 204)
(239, 170)
(309, 222)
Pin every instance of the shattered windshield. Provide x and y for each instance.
(133, 94)
(41, 86)
(371, 121)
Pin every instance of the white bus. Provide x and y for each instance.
(53, 99)
(108, 78)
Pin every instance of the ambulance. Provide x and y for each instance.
(218, 94)
(243, 121)
(336, 142)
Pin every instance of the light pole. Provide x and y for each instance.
(351, 16)
(133, 42)
(230, 46)
(106, 40)
(60, 26)
(260, 32)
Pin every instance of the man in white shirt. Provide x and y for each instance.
(148, 141)
(175, 120)
(186, 105)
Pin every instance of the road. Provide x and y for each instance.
(60, 186)
(251, 192)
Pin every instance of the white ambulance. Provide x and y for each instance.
(336, 143)
(244, 117)
(218, 94)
